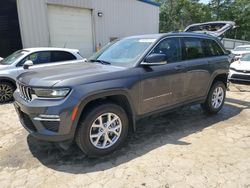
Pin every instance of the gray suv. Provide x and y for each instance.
(97, 102)
(35, 58)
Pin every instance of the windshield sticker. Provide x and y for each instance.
(147, 40)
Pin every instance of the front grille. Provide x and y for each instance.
(25, 91)
(241, 76)
(51, 125)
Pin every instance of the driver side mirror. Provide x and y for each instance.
(27, 64)
(155, 59)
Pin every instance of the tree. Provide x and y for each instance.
(175, 15)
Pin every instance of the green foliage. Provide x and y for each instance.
(175, 15)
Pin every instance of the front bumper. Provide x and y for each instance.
(46, 119)
(239, 76)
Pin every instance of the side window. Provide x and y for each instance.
(192, 48)
(37, 58)
(216, 48)
(58, 56)
(212, 48)
(171, 48)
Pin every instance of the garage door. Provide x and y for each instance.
(71, 28)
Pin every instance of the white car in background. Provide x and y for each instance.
(240, 70)
(240, 50)
(1, 58)
(31, 58)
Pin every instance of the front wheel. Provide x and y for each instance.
(6, 92)
(102, 130)
(215, 99)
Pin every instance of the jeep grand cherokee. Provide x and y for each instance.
(95, 103)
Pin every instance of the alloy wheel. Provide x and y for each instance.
(105, 130)
(6, 93)
(217, 97)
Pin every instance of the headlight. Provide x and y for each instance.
(51, 93)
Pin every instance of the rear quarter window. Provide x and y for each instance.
(212, 48)
(58, 56)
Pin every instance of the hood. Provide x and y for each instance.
(216, 28)
(241, 65)
(239, 52)
(4, 67)
(77, 73)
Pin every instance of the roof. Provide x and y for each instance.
(151, 2)
(160, 35)
(50, 49)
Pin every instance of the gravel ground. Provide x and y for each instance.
(181, 149)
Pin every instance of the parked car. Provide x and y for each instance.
(240, 70)
(97, 102)
(35, 58)
(240, 50)
(1, 58)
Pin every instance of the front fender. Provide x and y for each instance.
(100, 95)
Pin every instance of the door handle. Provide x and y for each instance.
(179, 67)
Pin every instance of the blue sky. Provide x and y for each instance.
(204, 1)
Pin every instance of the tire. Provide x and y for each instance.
(209, 106)
(96, 146)
(6, 92)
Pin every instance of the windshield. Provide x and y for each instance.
(123, 52)
(12, 58)
(245, 57)
(242, 48)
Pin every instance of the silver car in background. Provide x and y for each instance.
(240, 70)
(31, 58)
(239, 51)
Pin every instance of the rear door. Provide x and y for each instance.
(197, 76)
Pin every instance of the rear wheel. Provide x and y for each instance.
(6, 92)
(103, 130)
(215, 99)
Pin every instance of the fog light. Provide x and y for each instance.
(44, 117)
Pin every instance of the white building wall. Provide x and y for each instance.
(120, 18)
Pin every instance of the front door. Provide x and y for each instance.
(162, 85)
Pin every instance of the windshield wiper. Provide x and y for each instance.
(100, 61)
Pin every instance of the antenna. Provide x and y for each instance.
(65, 44)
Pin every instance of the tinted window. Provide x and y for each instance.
(37, 58)
(171, 48)
(62, 56)
(192, 48)
(212, 48)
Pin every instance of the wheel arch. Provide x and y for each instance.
(9, 80)
(119, 97)
(219, 76)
